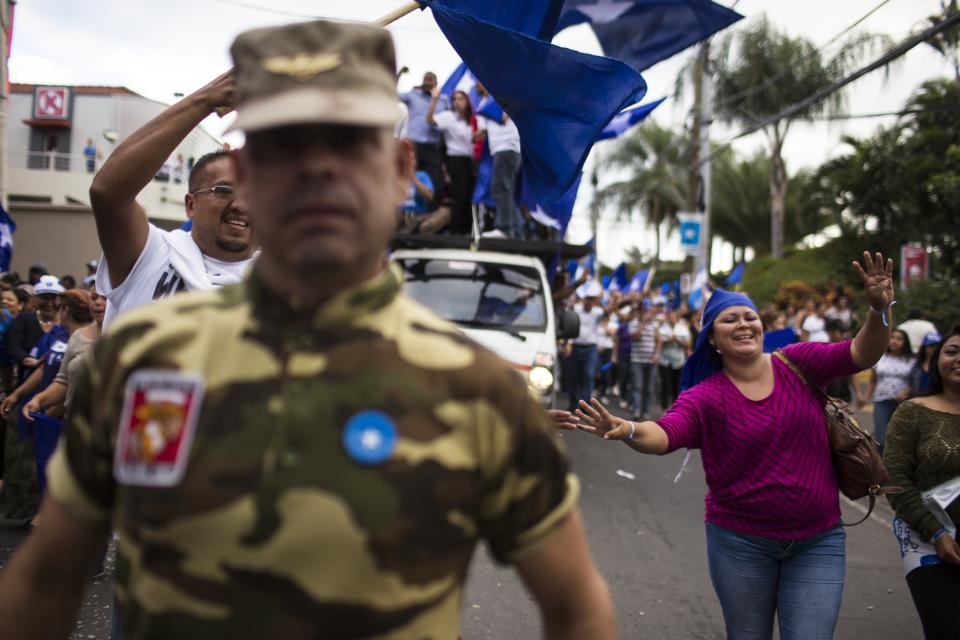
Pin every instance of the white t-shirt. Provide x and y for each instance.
(589, 324)
(169, 263)
(456, 133)
(815, 328)
(502, 136)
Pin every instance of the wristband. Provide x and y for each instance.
(939, 533)
(633, 430)
(884, 312)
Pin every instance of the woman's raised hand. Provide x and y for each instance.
(595, 419)
(877, 280)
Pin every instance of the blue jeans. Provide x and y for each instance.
(882, 412)
(642, 374)
(799, 580)
(584, 362)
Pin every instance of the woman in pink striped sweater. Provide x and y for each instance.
(774, 540)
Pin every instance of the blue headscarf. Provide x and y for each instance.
(704, 361)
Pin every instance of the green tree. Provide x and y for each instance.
(946, 43)
(760, 72)
(903, 183)
(653, 187)
(740, 204)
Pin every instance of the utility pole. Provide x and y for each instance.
(705, 116)
(698, 172)
(4, 98)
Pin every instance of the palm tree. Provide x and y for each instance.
(760, 72)
(740, 204)
(651, 156)
(947, 43)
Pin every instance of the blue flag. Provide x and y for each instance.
(625, 120)
(559, 99)
(644, 32)
(736, 275)
(7, 227)
(621, 277)
(534, 18)
(639, 280)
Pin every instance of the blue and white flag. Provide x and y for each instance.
(7, 227)
(644, 32)
(639, 281)
(690, 225)
(626, 120)
(697, 297)
(559, 99)
(462, 80)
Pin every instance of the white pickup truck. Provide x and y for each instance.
(501, 300)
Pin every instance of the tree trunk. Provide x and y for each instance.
(778, 196)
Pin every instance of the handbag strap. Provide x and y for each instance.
(817, 391)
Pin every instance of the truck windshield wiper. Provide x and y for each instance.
(482, 324)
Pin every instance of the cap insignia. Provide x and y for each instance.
(303, 66)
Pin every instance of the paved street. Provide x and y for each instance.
(647, 537)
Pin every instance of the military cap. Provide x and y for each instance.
(315, 72)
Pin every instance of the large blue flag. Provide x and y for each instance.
(625, 120)
(621, 277)
(559, 99)
(534, 18)
(644, 32)
(7, 227)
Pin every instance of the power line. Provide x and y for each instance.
(746, 93)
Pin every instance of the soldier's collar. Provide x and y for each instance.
(341, 309)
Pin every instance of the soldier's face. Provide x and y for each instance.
(323, 196)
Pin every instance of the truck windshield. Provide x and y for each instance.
(478, 294)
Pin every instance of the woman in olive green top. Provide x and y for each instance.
(923, 452)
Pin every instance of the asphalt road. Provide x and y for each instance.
(647, 538)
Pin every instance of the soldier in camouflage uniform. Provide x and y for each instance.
(309, 454)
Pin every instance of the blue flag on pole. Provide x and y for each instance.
(7, 227)
(534, 18)
(639, 280)
(644, 32)
(625, 120)
(621, 277)
(559, 99)
(736, 275)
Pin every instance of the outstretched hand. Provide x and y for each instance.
(877, 279)
(595, 419)
(563, 419)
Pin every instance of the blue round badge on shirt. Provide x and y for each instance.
(370, 437)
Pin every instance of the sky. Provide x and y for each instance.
(160, 49)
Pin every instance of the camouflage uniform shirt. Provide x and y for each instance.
(275, 531)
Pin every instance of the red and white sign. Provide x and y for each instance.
(914, 264)
(52, 103)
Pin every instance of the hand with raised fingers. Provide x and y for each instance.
(877, 279)
(595, 419)
(563, 419)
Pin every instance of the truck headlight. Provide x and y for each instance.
(540, 378)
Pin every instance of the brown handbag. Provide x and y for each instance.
(856, 460)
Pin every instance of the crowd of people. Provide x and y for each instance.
(290, 445)
(450, 141)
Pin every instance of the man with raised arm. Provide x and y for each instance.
(142, 262)
(308, 454)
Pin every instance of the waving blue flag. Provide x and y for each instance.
(621, 277)
(534, 18)
(639, 280)
(559, 99)
(7, 227)
(625, 120)
(736, 275)
(644, 32)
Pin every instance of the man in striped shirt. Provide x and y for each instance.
(643, 358)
